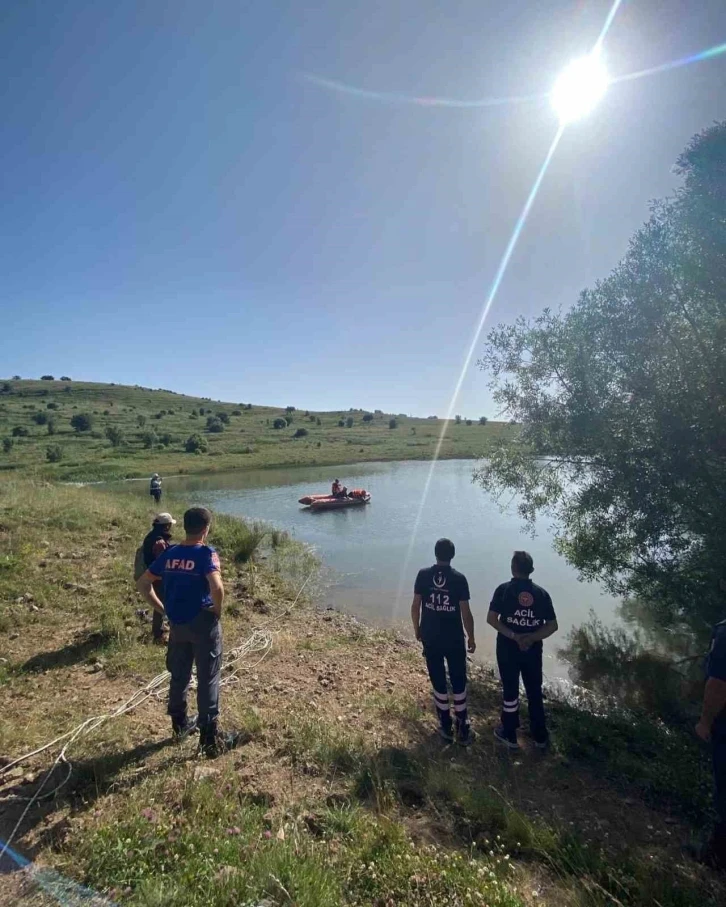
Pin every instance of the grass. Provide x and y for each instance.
(342, 795)
(248, 438)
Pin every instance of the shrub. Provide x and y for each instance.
(249, 406)
(195, 444)
(368, 417)
(223, 417)
(319, 444)
(289, 409)
(149, 439)
(236, 412)
(17, 378)
(107, 412)
(54, 453)
(341, 423)
(468, 422)
(81, 422)
(201, 410)
(349, 422)
(66, 378)
(166, 439)
(457, 419)
(300, 433)
(318, 421)
(141, 421)
(279, 423)
(66, 390)
(47, 378)
(6, 388)
(214, 425)
(51, 405)
(50, 425)
(40, 418)
(114, 435)
(393, 423)
(193, 414)
(8, 444)
(20, 432)
(483, 420)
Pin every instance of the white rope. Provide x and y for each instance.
(260, 641)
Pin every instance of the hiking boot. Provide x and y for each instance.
(182, 729)
(542, 745)
(464, 734)
(509, 742)
(215, 743)
(446, 732)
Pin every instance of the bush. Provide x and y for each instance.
(54, 453)
(17, 378)
(8, 444)
(223, 417)
(81, 422)
(236, 412)
(468, 422)
(6, 388)
(195, 444)
(66, 390)
(214, 425)
(393, 423)
(40, 418)
(341, 423)
(20, 432)
(289, 420)
(166, 439)
(300, 433)
(114, 435)
(289, 409)
(318, 421)
(141, 421)
(349, 422)
(47, 378)
(193, 414)
(457, 419)
(367, 417)
(50, 425)
(279, 423)
(201, 410)
(483, 420)
(66, 378)
(51, 405)
(149, 439)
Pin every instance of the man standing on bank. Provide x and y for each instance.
(439, 609)
(193, 597)
(712, 727)
(523, 615)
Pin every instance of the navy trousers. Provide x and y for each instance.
(718, 746)
(440, 656)
(513, 663)
(196, 643)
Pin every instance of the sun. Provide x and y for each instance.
(579, 88)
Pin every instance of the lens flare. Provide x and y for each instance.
(579, 88)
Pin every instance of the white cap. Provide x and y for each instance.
(164, 519)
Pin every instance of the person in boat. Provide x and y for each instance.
(155, 487)
(440, 614)
(337, 489)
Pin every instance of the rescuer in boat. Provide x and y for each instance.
(338, 490)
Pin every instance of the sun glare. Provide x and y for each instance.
(579, 88)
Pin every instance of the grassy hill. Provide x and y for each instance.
(133, 431)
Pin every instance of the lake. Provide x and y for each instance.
(367, 547)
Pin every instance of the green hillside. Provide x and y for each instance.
(133, 431)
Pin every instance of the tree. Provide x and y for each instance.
(341, 423)
(289, 409)
(457, 420)
(214, 425)
(40, 418)
(318, 421)
(47, 378)
(114, 435)
(166, 439)
(141, 421)
(51, 405)
(469, 422)
(349, 422)
(6, 388)
(622, 402)
(195, 444)
(483, 420)
(393, 423)
(81, 422)
(17, 378)
(223, 417)
(54, 453)
(279, 423)
(8, 444)
(300, 433)
(66, 378)
(367, 417)
(149, 439)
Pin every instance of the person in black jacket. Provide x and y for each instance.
(523, 615)
(155, 544)
(440, 613)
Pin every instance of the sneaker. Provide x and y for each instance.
(464, 735)
(509, 742)
(182, 729)
(446, 733)
(213, 745)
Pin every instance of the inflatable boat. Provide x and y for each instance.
(355, 498)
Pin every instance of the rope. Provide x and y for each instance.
(260, 641)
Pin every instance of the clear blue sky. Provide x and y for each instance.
(180, 207)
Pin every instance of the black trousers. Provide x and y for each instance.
(156, 495)
(513, 664)
(196, 643)
(718, 746)
(440, 656)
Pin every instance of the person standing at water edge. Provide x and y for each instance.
(155, 487)
(154, 545)
(712, 727)
(440, 612)
(193, 598)
(523, 615)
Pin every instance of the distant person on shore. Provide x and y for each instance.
(523, 615)
(440, 613)
(712, 728)
(193, 598)
(154, 545)
(155, 487)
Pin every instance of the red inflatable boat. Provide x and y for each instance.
(355, 498)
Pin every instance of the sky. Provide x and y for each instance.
(232, 199)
